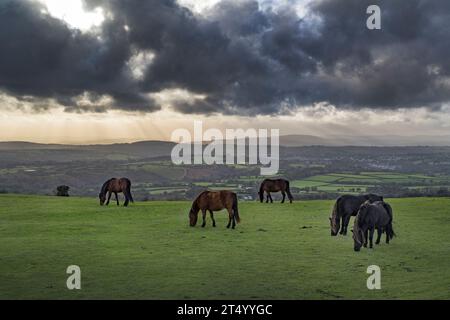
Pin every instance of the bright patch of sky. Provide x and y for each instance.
(300, 6)
(74, 14)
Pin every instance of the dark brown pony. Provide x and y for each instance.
(371, 216)
(346, 206)
(215, 201)
(274, 185)
(115, 186)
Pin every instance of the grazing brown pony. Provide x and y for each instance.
(215, 201)
(274, 185)
(115, 186)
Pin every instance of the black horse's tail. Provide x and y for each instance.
(235, 209)
(128, 192)
(288, 191)
(389, 230)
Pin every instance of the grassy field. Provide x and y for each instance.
(148, 251)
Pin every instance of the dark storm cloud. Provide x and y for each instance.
(403, 65)
(244, 60)
(42, 57)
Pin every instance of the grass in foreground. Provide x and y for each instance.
(279, 251)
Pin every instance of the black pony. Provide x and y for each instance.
(345, 207)
(371, 216)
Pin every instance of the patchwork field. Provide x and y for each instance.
(357, 183)
(148, 251)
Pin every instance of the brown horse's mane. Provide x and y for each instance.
(105, 185)
(194, 203)
(201, 193)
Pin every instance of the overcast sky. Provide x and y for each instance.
(107, 70)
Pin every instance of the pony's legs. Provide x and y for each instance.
(388, 232)
(230, 216)
(117, 198)
(127, 199)
(233, 219)
(109, 197)
(379, 232)
(267, 196)
(372, 230)
(270, 196)
(342, 220)
(345, 222)
(284, 196)
(289, 195)
(204, 218)
(212, 218)
(366, 236)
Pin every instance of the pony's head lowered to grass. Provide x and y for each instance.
(358, 232)
(193, 216)
(358, 238)
(261, 195)
(335, 220)
(335, 225)
(103, 191)
(102, 197)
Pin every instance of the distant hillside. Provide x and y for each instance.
(15, 145)
(363, 141)
(152, 149)
(31, 152)
(22, 145)
(304, 140)
(354, 140)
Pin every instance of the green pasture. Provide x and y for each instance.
(349, 183)
(278, 251)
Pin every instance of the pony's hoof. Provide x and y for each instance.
(203, 225)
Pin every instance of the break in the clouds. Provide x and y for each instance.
(234, 57)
